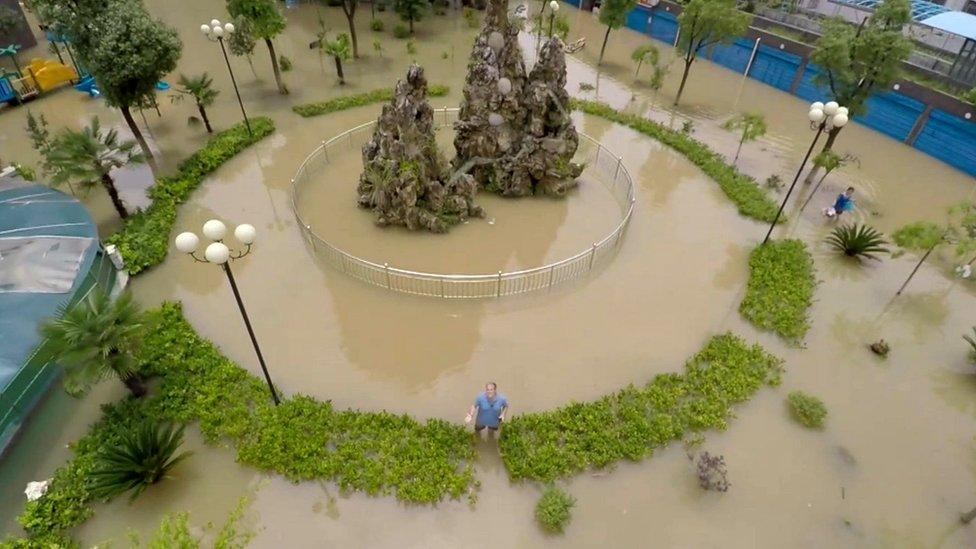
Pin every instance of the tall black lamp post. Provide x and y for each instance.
(215, 32)
(219, 254)
(822, 117)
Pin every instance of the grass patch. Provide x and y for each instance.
(808, 410)
(751, 200)
(780, 289)
(144, 239)
(632, 422)
(359, 100)
(553, 510)
(303, 439)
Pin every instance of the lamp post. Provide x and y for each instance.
(219, 254)
(215, 33)
(553, 8)
(822, 117)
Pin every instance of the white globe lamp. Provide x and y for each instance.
(830, 108)
(214, 229)
(229, 28)
(187, 242)
(816, 105)
(215, 23)
(816, 116)
(245, 233)
(217, 252)
(205, 29)
(839, 120)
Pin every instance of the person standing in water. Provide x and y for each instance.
(488, 409)
(844, 203)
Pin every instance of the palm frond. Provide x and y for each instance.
(858, 241)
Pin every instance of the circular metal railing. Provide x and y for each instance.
(601, 164)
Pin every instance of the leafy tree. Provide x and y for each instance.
(646, 52)
(265, 22)
(857, 61)
(752, 125)
(8, 20)
(829, 161)
(349, 8)
(200, 88)
(87, 157)
(704, 24)
(613, 14)
(378, 47)
(970, 97)
(96, 338)
(411, 10)
(926, 236)
(140, 458)
(131, 53)
(338, 49)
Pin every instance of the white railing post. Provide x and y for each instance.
(551, 269)
(617, 171)
(498, 287)
(386, 267)
(442, 286)
(592, 255)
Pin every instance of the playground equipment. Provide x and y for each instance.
(7, 94)
(49, 74)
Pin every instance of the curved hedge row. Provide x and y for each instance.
(144, 239)
(632, 422)
(358, 100)
(743, 190)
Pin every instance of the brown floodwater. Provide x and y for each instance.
(893, 468)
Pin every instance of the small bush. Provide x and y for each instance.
(401, 31)
(687, 127)
(712, 473)
(285, 63)
(807, 409)
(858, 241)
(774, 182)
(553, 510)
(971, 340)
(471, 17)
(359, 100)
(780, 289)
(411, 46)
(376, 25)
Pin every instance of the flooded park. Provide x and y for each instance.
(894, 465)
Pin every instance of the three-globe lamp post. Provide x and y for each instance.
(218, 253)
(215, 32)
(822, 117)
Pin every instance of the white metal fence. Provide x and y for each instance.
(601, 164)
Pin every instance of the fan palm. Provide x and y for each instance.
(88, 158)
(338, 49)
(141, 457)
(858, 241)
(200, 88)
(96, 338)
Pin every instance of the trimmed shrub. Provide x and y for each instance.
(376, 25)
(808, 410)
(401, 31)
(553, 510)
(358, 100)
(780, 289)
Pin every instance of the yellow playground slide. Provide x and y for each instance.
(51, 74)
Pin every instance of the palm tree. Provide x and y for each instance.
(97, 338)
(645, 52)
(339, 50)
(200, 88)
(140, 458)
(858, 241)
(88, 157)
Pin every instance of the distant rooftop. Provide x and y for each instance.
(954, 22)
(921, 9)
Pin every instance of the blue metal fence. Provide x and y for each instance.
(950, 139)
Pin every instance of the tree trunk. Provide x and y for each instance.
(150, 159)
(410, 20)
(135, 385)
(739, 149)
(684, 78)
(338, 62)
(113, 193)
(274, 65)
(637, 72)
(915, 270)
(831, 137)
(814, 191)
(203, 115)
(603, 48)
(352, 31)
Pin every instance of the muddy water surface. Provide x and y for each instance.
(893, 468)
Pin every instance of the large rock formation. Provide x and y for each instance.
(405, 180)
(514, 133)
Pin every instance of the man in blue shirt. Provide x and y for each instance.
(490, 408)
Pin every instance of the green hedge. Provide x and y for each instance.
(359, 100)
(302, 439)
(631, 423)
(780, 289)
(743, 190)
(144, 239)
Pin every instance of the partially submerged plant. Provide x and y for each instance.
(880, 348)
(749, 125)
(140, 458)
(712, 472)
(857, 240)
(808, 410)
(971, 339)
(553, 510)
(774, 182)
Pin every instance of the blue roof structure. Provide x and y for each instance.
(920, 8)
(954, 22)
(37, 214)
